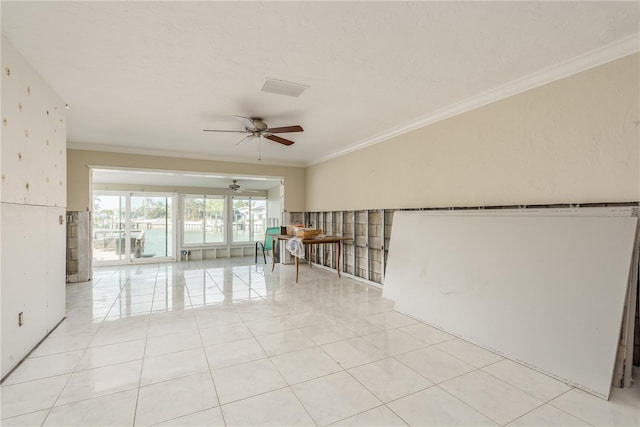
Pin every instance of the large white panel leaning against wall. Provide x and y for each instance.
(33, 198)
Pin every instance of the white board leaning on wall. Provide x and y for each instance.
(544, 287)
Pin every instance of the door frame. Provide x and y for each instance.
(127, 259)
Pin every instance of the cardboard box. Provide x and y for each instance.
(306, 233)
(290, 228)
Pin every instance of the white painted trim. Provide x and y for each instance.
(108, 148)
(189, 173)
(348, 275)
(611, 52)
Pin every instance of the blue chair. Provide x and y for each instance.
(266, 245)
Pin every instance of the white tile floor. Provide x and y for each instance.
(230, 343)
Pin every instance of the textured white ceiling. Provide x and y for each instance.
(149, 76)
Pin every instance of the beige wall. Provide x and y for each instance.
(274, 204)
(78, 162)
(570, 141)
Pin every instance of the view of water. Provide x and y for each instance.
(156, 244)
(158, 241)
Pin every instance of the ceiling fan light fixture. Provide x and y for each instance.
(282, 87)
(255, 127)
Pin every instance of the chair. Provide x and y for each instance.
(266, 246)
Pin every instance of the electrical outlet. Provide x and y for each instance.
(20, 318)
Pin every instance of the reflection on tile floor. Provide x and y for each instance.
(227, 342)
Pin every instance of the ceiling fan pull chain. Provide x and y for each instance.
(259, 152)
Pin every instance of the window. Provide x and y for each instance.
(203, 220)
(249, 219)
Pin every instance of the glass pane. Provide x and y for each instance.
(241, 227)
(193, 215)
(214, 210)
(108, 227)
(169, 225)
(258, 219)
(150, 227)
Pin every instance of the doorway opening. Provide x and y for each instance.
(144, 215)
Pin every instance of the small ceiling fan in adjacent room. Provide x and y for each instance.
(235, 187)
(255, 128)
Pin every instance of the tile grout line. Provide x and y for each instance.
(471, 407)
(546, 403)
(144, 352)
(332, 373)
(50, 409)
(560, 409)
(290, 386)
(206, 356)
(367, 410)
(524, 391)
(430, 380)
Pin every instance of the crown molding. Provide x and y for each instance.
(119, 149)
(616, 50)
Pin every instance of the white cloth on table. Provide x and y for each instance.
(296, 247)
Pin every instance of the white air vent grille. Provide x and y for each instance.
(283, 88)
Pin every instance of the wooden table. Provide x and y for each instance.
(310, 242)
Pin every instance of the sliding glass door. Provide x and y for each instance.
(109, 211)
(152, 226)
(133, 227)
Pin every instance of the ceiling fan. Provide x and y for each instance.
(255, 127)
(235, 187)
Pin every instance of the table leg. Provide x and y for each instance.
(310, 254)
(296, 268)
(338, 258)
(273, 252)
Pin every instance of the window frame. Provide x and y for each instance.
(203, 224)
(251, 222)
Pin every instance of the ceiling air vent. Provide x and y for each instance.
(283, 88)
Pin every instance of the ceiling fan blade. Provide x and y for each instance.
(285, 129)
(245, 139)
(279, 140)
(246, 121)
(217, 130)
